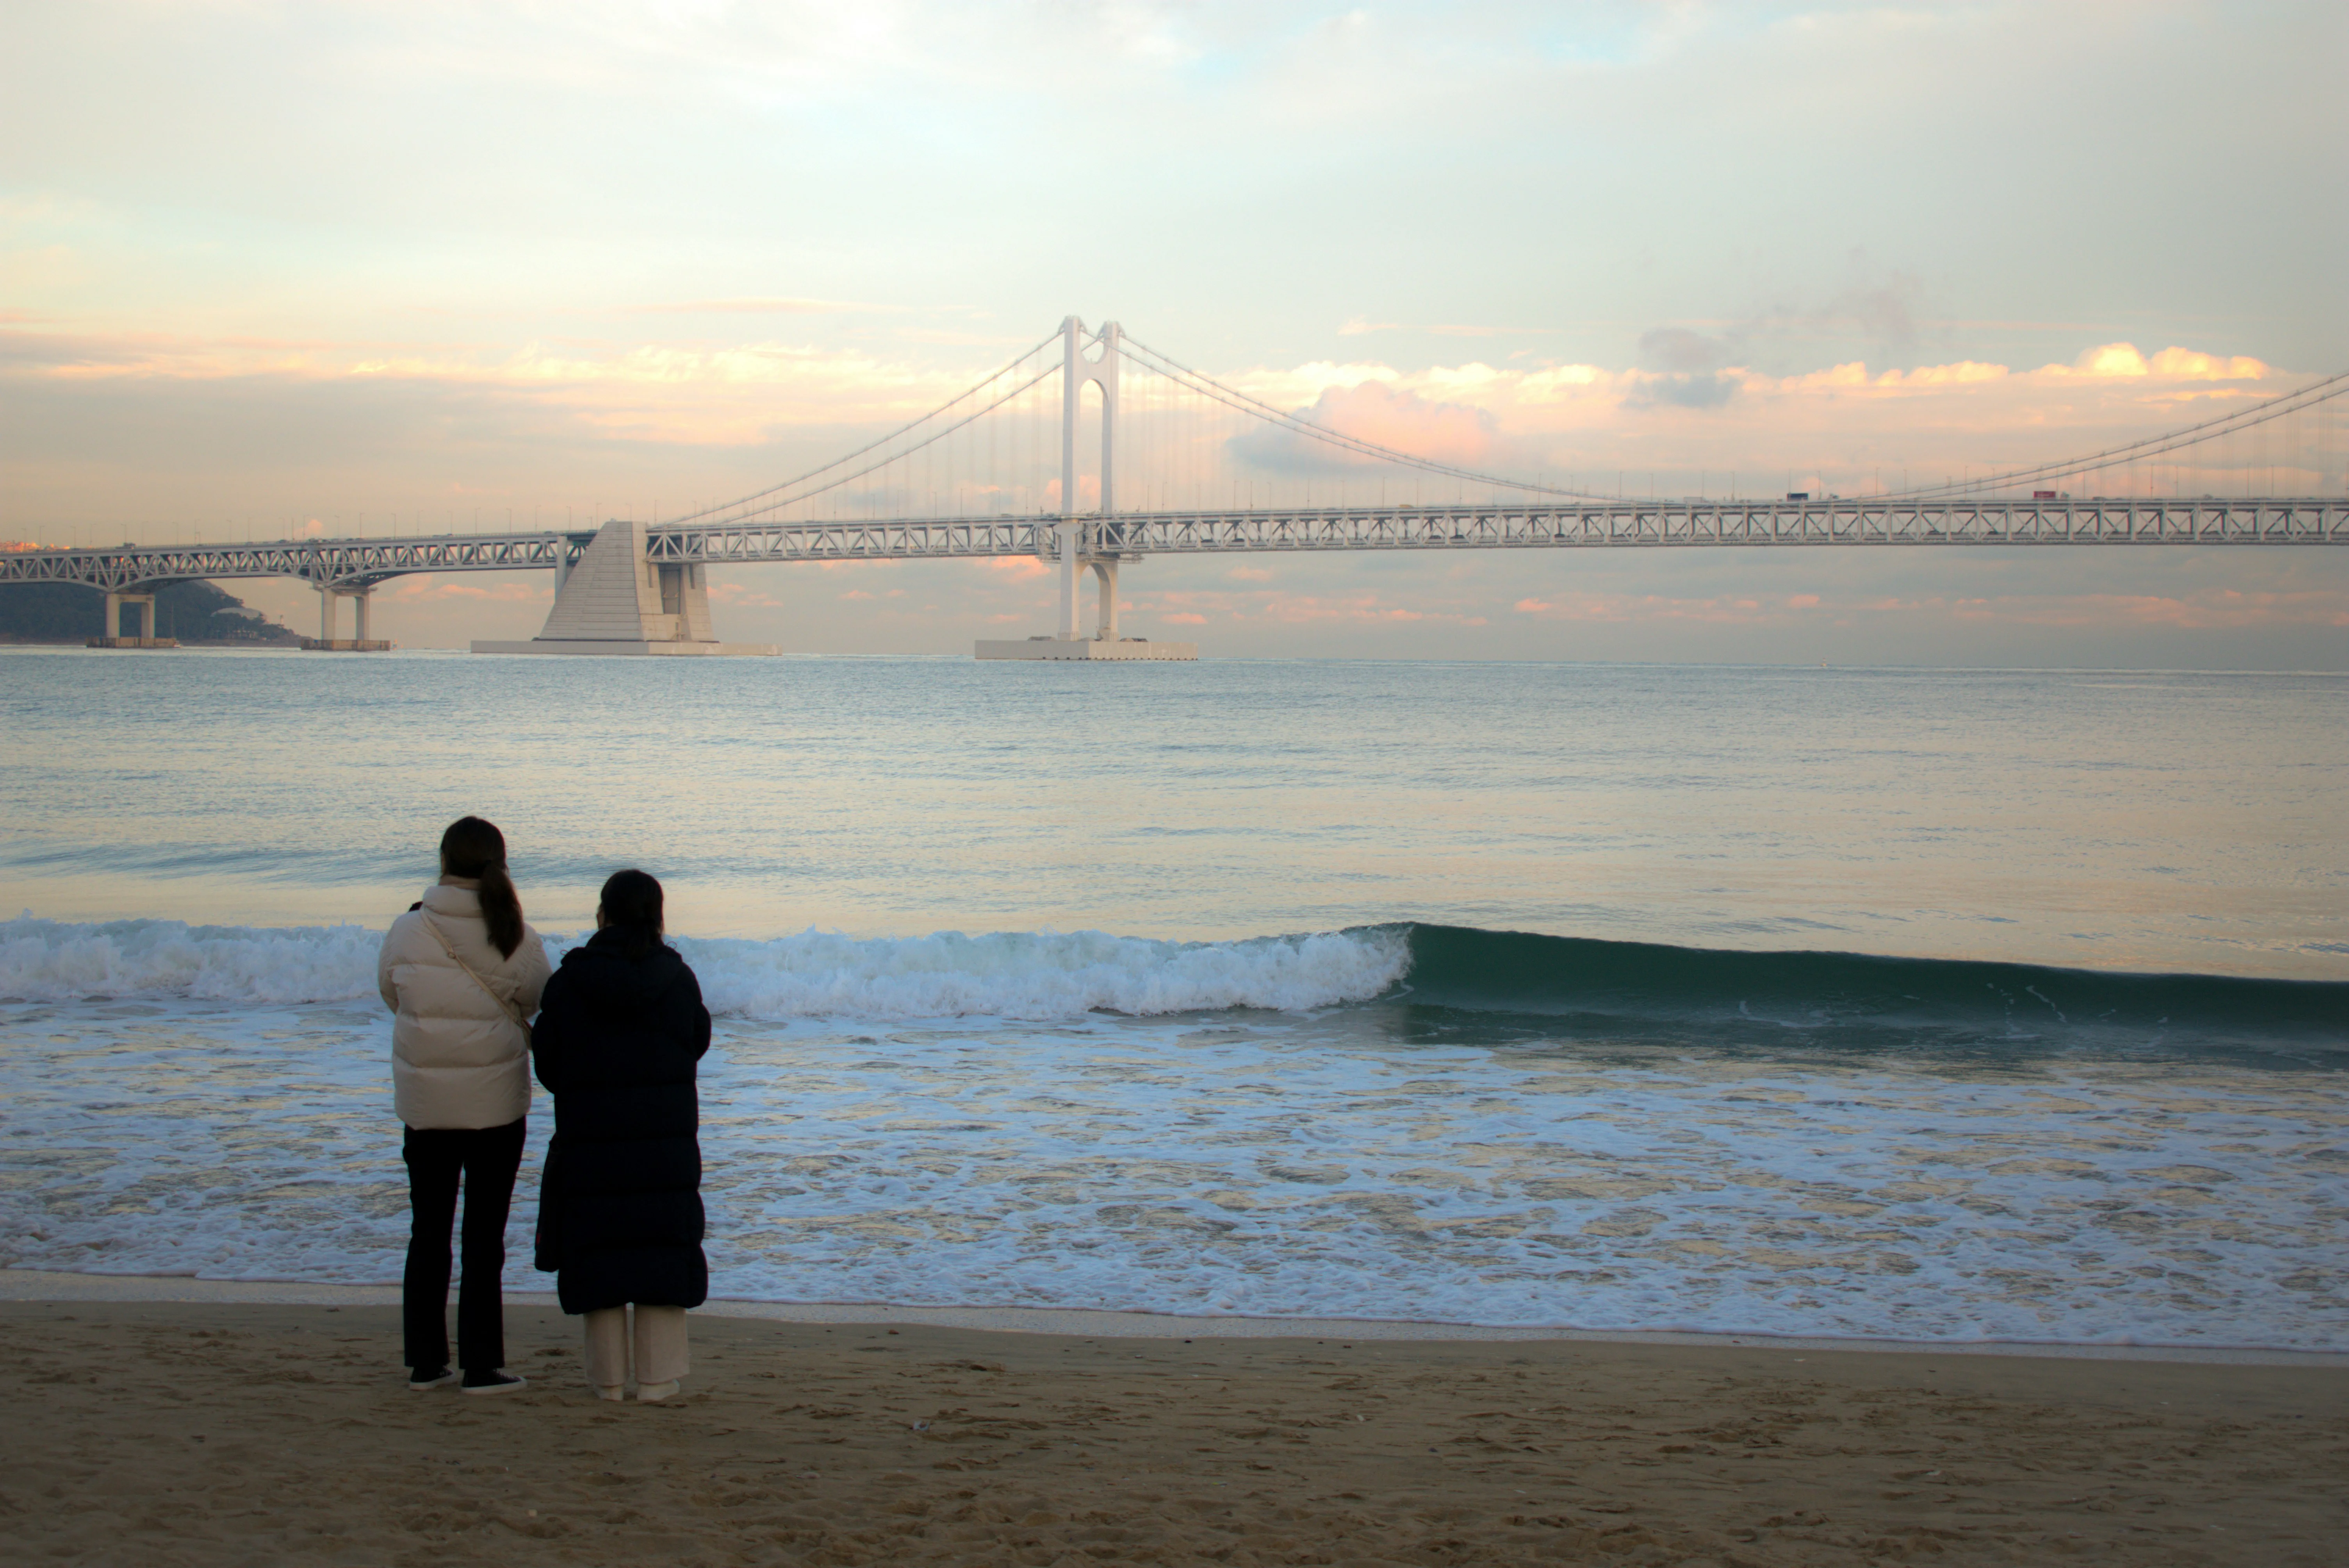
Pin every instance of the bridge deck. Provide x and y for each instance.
(1603, 526)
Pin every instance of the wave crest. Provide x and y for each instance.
(1035, 976)
(1040, 975)
(57, 961)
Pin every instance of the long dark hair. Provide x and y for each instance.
(631, 902)
(473, 848)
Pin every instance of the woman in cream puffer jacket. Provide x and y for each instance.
(461, 973)
(459, 1058)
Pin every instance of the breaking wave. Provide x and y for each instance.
(1497, 984)
(1038, 975)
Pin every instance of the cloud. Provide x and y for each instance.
(2122, 361)
(2209, 610)
(563, 424)
(1690, 363)
(1680, 391)
(426, 589)
(1882, 308)
(1356, 326)
(694, 395)
(1885, 312)
(750, 307)
(1366, 606)
(1958, 375)
(1456, 433)
(2185, 364)
(1678, 349)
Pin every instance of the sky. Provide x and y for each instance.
(329, 268)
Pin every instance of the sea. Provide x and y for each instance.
(1923, 1004)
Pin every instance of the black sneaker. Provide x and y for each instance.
(498, 1381)
(422, 1378)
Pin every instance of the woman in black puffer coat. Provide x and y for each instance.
(620, 1029)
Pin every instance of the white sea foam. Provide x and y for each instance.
(1037, 977)
(56, 961)
(1040, 975)
(1272, 1164)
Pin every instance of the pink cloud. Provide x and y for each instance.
(1375, 411)
(2217, 609)
(747, 307)
(1019, 568)
(427, 589)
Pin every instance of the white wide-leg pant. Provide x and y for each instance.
(658, 1345)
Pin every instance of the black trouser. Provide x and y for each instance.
(488, 1158)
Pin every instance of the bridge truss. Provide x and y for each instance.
(1621, 525)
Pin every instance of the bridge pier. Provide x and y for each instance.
(145, 637)
(1105, 616)
(359, 643)
(1072, 567)
(616, 600)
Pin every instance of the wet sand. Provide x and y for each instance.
(216, 1433)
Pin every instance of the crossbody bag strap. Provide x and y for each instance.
(510, 1009)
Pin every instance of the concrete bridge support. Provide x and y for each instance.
(145, 604)
(145, 636)
(359, 642)
(613, 599)
(1105, 615)
(1072, 568)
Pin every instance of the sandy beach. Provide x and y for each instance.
(216, 1432)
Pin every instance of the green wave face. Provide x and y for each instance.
(1584, 989)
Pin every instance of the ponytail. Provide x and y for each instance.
(631, 906)
(475, 849)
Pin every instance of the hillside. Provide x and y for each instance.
(192, 611)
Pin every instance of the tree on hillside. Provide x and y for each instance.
(194, 612)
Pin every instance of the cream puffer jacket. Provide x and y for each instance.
(458, 1058)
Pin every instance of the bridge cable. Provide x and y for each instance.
(975, 388)
(676, 524)
(1198, 381)
(2226, 425)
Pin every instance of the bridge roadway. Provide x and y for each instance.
(357, 563)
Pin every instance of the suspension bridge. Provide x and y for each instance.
(1091, 450)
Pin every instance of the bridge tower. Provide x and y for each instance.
(1069, 530)
(1102, 372)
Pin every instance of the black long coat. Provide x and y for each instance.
(620, 1215)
